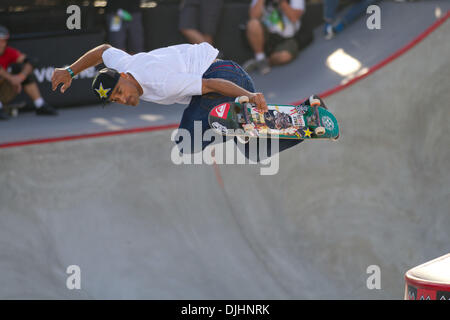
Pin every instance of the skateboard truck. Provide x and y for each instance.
(244, 100)
(315, 103)
(248, 126)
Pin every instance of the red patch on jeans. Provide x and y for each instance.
(221, 111)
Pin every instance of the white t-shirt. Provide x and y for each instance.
(167, 75)
(277, 22)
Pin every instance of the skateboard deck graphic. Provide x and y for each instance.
(280, 121)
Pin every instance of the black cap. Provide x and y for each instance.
(4, 33)
(104, 83)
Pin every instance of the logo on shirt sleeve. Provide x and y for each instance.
(221, 111)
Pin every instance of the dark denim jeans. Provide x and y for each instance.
(199, 107)
(330, 7)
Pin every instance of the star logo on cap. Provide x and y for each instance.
(103, 93)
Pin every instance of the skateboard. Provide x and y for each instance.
(13, 109)
(309, 121)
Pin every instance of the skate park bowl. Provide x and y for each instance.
(139, 226)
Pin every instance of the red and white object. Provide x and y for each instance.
(221, 111)
(429, 281)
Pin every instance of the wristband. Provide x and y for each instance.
(71, 72)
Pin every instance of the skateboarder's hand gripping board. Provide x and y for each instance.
(229, 89)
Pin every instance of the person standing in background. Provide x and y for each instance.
(199, 19)
(124, 23)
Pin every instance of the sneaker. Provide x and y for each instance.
(46, 110)
(329, 31)
(250, 65)
(264, 66)
(3, 115)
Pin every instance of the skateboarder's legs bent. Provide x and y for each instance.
(200, 106)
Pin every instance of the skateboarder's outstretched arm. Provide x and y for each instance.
(90, 59)
(229, 89)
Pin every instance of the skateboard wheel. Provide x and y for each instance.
(243, 140)
(314, 102)
(319, 131)
(243, 99)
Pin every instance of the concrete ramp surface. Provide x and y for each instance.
(139, 226)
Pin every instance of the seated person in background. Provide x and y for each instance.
(16, 72)
(271, 32)
(199, 20)
(124, 25)
(334, 26)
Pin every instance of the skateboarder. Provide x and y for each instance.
(186, 74)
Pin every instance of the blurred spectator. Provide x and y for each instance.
(199, 19)
(271, 32)
(16, 72)
(124, 23)
(334, 26)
